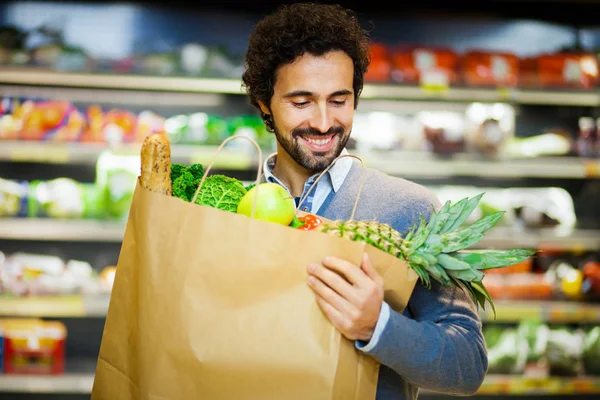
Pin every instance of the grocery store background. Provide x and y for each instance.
(495, 96)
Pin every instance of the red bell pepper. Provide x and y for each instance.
(308, 222)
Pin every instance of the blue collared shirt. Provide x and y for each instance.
(332, 180)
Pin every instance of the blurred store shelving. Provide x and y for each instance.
(518, 119)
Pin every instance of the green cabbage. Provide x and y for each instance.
(222, 192)
(185, 180)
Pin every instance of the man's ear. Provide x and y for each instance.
(263, 108)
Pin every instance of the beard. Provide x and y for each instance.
(307, 158)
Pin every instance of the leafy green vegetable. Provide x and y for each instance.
(222, 192)
(177, 170)
(185, 180)
(250, 186)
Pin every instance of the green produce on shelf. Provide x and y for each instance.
(507, 350)
(116, 176)
(564, 351)
(56, 198)
(591, 351)
(196, 128)
(536, 334)
(12, 194)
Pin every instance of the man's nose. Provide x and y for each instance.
(322, 119)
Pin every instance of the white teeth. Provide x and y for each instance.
(319, 142)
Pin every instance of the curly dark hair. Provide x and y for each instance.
(293, 30)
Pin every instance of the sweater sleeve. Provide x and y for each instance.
(442, 349)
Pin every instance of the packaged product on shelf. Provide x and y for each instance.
(253, 127)
(591, 351)
(197, 128)
(585, 143)
(484, 68)
(489, 127)
(536, 334)
(56, 198)
(1, 347)
(116, 177)
(564, 351)
(51, 120)
(444, 132)
(427, 66)
(380, 68)
(13, 198)
(34, 347)
(507, 350)
(25, 274)
(561, 70)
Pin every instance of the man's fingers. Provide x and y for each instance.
(346, 269)
(368, 268)
(334, 281)
(329, 295)
(333, 315)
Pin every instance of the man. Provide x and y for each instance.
(304, 72)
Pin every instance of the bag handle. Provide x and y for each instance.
(360, 187)
(210, 165)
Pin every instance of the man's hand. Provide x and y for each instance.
(350, 296)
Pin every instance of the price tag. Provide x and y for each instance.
(54, 155)
(566, 313)
(434, 81)
(63, 306)
(225, 160)
(533, 385)
(510, 313)
(585, 386)
(591, 168)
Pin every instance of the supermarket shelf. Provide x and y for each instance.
(77, 379)
(493, 385)
(88, 153)
(511, 311)
(499, 385)
(96, 306)
(233, 86)
(409, 164)
(420, 164)
(543, 239)
(61, 230)
(69, 383)
(516, 385)
(107, 231)
(116, 81)
(521, 96)
(74, 306)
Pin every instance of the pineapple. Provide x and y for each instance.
(435, 249)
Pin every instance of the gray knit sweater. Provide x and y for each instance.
(437, 343)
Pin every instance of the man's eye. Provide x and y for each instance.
(339, 102)
(301, 104)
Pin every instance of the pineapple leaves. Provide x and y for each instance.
(481, 295)
(465, 211)
(489, 259)
(435, 248)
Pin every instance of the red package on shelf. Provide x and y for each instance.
(380, 68)
(428, 66)
(561, 70)
(481, 68)
(34, 347)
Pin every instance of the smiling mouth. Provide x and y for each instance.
(318, 141)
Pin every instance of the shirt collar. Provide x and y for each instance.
(336, 174)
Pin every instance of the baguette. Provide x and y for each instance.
(156, 164)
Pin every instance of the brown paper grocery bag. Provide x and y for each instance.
(208, 304)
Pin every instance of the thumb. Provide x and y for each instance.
(368, 268)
